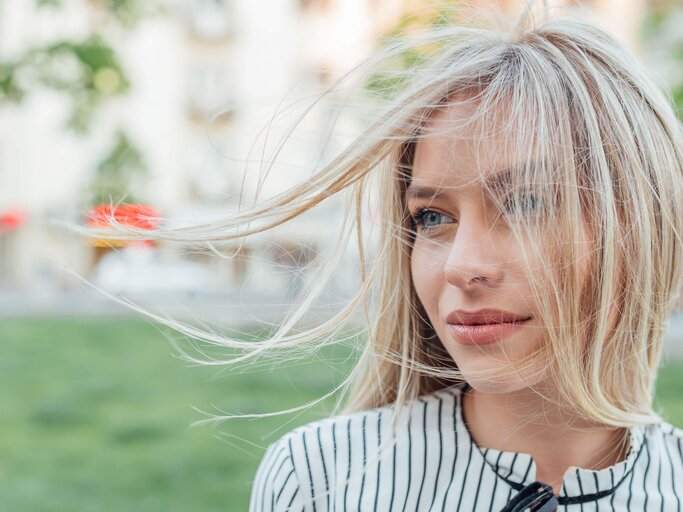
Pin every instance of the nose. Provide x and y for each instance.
(473, 259)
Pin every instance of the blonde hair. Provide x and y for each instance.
(602, 145)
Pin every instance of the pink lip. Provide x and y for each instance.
(483, 316)
(484, 334)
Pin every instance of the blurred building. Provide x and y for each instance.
(208, 77)
(216, 84)
(620, 17)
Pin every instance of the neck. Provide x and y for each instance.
(525, 422)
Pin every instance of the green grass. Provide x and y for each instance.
(95, 415)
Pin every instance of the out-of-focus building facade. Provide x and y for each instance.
(206, 80)
(621, 17)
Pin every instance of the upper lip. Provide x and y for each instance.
(483, 316)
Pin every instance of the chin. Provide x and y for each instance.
(498, 386)
(501, 384)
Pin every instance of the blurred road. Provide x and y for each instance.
(235, 308)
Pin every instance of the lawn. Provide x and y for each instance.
(96, 416)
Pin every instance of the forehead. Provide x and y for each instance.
(454, 149)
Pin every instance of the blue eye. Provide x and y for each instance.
(429, 219)
(521, 204)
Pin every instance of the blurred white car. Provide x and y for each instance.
(140, 269)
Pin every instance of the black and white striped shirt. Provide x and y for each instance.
(435, 465)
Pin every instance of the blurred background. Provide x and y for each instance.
(135, 108)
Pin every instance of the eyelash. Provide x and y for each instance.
(417, 215)
(417, 218)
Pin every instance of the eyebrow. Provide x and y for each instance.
(421, 192)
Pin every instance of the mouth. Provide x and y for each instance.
(474, 324)
(476, 333)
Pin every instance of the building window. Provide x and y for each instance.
(210, 19)
(316, 5)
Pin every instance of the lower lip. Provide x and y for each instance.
(484, 334)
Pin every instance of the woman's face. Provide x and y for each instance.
(465, 258)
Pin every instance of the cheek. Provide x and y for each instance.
(427, 277)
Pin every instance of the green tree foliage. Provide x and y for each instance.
(663, 44)
(126, 13)
(115, 173)
(661, 36)
(89, 72)
(396, 71)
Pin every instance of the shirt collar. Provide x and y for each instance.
(579, 485)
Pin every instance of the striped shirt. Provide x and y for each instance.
(435, 465)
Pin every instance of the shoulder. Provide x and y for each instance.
(298, 467)
(275, 484)
(663, 447)
(317, 457)
(670, 431)
(664, 431)
(667, 437)
(371, 425)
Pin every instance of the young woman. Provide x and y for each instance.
(529, 183)
(530, 257)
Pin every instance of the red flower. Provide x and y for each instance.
(12, 219)
(133, 215)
